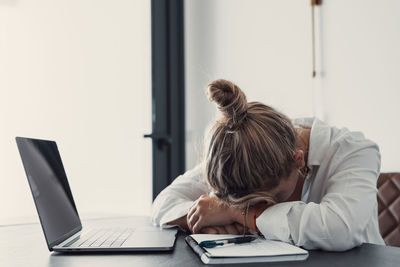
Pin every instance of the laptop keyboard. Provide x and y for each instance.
(101, 238)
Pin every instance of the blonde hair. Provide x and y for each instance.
(249, 150)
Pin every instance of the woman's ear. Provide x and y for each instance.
(299, 158)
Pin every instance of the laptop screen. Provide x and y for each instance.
(50, 189)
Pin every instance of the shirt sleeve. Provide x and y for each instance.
(338, 221)
(176, 199)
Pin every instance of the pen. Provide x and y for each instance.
(221, 242)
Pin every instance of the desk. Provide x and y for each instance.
(24, 245)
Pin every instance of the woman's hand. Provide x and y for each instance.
(210, 211)
(234, 229)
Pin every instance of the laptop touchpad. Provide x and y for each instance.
(151, 238)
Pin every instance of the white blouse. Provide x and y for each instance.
(338, 208)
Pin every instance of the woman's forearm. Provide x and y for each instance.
(248, 220)
(245, 220)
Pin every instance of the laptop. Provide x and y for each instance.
(58, 214)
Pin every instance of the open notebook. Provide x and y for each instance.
(259, 250)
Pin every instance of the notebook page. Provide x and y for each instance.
(259, 247)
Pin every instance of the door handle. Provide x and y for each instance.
(161, 139)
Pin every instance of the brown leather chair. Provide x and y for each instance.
(389, 207)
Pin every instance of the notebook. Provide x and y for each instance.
(259, 250)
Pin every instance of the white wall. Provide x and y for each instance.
(78, 72)
(361, 66)
(262, 45)
(265, 46)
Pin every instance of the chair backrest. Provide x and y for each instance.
(389, 207)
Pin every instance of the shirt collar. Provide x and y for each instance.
(319, 139)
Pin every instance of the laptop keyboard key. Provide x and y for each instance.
(101, 238)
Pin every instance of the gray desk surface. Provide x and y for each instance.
(24, 245)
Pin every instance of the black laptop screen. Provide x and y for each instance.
(50, 188)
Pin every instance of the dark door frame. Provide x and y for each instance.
(168, 92)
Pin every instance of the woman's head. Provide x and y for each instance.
(250, 149)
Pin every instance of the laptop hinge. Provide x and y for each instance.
(65, 237)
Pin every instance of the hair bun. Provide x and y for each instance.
(231, 101)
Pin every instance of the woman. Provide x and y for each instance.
(302, 182)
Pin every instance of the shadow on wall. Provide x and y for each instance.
(200, 68)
